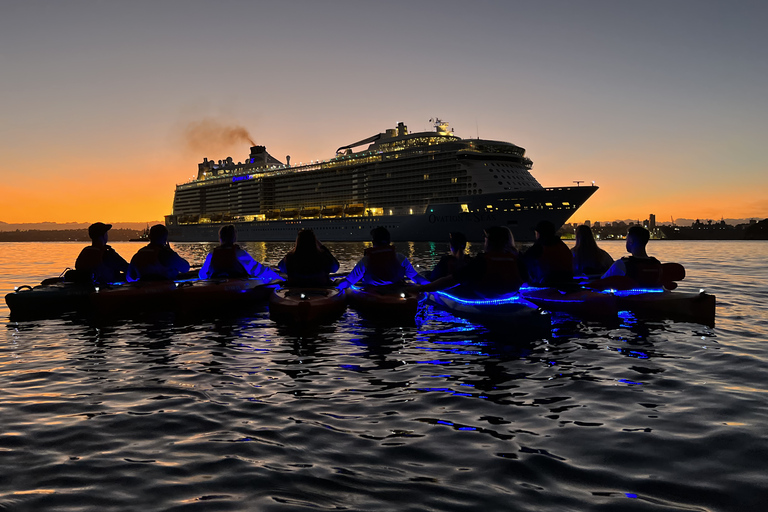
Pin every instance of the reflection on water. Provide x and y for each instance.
(168, 411)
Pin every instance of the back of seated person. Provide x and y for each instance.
(454, 260)
(156, 261)
(98, 263)
(644, 269)
(549, 261)
(308, 263)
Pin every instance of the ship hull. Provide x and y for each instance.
(519, 211)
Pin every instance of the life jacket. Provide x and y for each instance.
(554, 264)
(224, 263)
(501, 275)
(383, 266)
(90, 258)
(93, 265)
(646, 271)
(147, 265)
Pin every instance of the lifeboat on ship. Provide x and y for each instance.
(309, 212)
(354, 209)
(331, 211)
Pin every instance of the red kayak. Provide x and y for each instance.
(297, 305)
(391, 303)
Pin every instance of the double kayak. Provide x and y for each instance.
(55, 296)
(299, 305)
(184, 295)
(653, 303)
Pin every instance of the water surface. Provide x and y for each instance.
(170, 412)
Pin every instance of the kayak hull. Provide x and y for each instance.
(651, 304)
(580, 303)
(298, 305)
(384, 303)
(48, 299)
(509, 311)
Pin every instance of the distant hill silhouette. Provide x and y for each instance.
(56, 226)
(65, 235)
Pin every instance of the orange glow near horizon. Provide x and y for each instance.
(89, 194)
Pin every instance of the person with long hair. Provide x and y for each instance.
(308, 263)
(588, 258)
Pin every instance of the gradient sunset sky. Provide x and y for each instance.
(662, 104)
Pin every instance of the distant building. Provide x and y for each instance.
(652, 222)
(597, 225)
(588, 223)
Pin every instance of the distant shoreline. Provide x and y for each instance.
(66, 235)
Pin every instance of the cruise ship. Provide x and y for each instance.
(421, 186)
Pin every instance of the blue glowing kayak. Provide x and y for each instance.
(509, 310)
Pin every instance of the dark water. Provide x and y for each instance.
(166, 412)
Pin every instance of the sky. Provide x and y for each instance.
(662, 104)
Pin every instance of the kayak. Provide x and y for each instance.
(129, 298)
(609, 304)
(391, 303)
(222, 292)
(609, 297)
(181, 295)
(52, 297)
(55, 296)
(509, 310)
(579, 302)
(298, 305)
(675, 305)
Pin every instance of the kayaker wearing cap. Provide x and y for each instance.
(493, 272)
(230, 260)
(309, 263)
(99, 262)
(452, 261)
(644, 269)
(381, 264)
(549, 261)
(156, 261)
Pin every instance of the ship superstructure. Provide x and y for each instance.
(419, 185)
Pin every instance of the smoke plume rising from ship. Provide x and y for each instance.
(213, 136)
